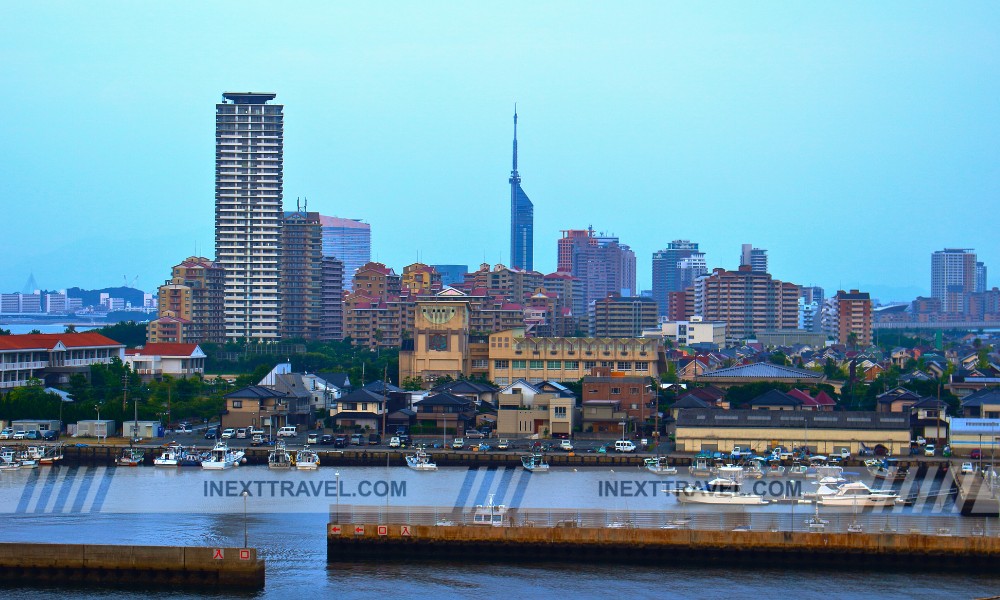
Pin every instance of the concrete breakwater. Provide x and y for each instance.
(54, 564)
(654, 546)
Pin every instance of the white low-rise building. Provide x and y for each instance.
(687, 333)
(153, 361)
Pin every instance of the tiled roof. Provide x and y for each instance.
(775, 398)
(380, 387)
(690, 401)
(255, 392)
(165, 349)
(990, 395)
(47, 341)
(763, 371)
(444, 399)
(725, 419)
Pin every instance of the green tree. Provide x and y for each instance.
(413, 383)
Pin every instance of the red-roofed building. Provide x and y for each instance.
(153, 361)
(53, 357)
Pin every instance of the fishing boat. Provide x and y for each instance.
(171, 457)
(828, 474)
(279, 458)
(30, 457)
(130, 457)
(797, 470)
(306, 459)
(858, 494)
(535, 463)
(701, 467)
(774, 469)
(191, 457)
(493, 515)
(8, 460)
(719, 491)
(659, 466)
(420, 461)
(220, 457)
(51, 455)
(885, 469)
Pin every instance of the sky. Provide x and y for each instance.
(849, 139)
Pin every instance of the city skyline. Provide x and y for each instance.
(700, 125)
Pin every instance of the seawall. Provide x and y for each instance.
(654, 546)
(54, 564)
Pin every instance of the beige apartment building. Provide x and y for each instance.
(524, 410)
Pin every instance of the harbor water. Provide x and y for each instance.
(287, 512)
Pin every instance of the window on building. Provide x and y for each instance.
(237, 404)
(608, 364)
(624, 366)
(635, 406)
(633, 390)
(559, 412)
(555, 364)
(641, 366)
(571, 364)
(536, 364)
(502, 381)
(519, 364)
(481, 363)
(615, 390)
(589, 364)
(501, 364)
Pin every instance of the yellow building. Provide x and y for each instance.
(823, 432)
(513, 356)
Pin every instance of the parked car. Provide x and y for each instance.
(624, 446)
(50, 434)
(18, 435)
(326, 440)
(394, 442)
(254, 432)
(503, 445)
(211, 433)
(967, 468)
(404, 440)
(6, 434)
(357, 439)
(929, 450)
(340, 441)
(241, 433)
(474, 434)
(228, 433)
(34, 434)
(374, 439)
(457, 444)
(256, 439)
(566, 446)
(976, 454)
(312, 438)
(287, 431)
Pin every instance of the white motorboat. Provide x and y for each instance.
(858, 494)
(701, 467)
(171, 457)
(306, 459)
(494, 515)
(827, 474)
(420, 461)
(221, 457)
(535, 463)
(659, 466)
(719, 491)
(279, 458)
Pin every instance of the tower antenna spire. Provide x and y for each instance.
(513, 171)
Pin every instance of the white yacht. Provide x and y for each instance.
(494, 515)
(221, 457)
(171, 457)
(857, 494)
(306, 459)
(420, 461)
(279, 458)
(719, 491)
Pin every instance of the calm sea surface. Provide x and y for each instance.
(40, 508)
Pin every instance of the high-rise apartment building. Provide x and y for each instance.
(190, 304)
(332, 321)
(854, 318)
(621, 317)
(451, 275)
(522, 218)
(675, 268)
(514, 285)
(755, 257)
(981, 283)
(953, 275)
(249, 136)
(349, 241)
(746, 301)
(602, 263)
(301, 275)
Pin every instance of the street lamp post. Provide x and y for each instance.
(245, 494)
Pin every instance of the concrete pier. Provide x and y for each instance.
(353, 542)
(54, 564)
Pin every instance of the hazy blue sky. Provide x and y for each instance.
(850, 139)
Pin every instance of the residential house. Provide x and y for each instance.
(444, 410)
(258, 406)
(361, 409)
(153, 361)
(636, 394)
(477, 392)
(604, 416)
(775, 400)
(526, 409)
(896, 400)
(982, 404)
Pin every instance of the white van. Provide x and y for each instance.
(288, 431)
(624, 446)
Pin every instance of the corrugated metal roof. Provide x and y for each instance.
(698, 417)
(763, 371)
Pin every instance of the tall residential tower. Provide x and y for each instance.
(249, 136)
(522, 218)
